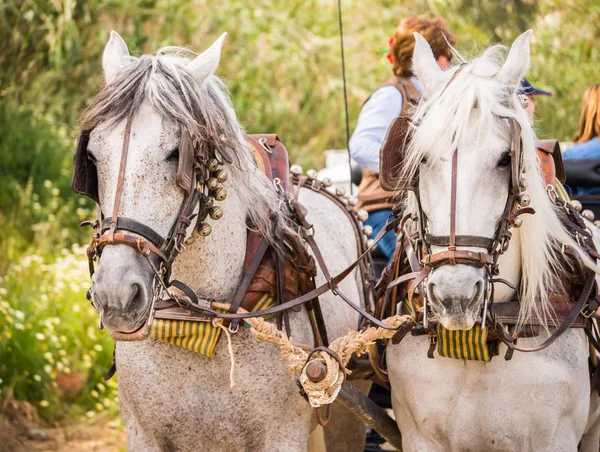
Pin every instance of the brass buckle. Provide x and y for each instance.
(589, 314)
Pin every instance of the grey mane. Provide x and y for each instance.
(205, 110)
(175, 93)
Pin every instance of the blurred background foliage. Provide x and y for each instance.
(281, 62)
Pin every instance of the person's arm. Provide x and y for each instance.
(374, 119)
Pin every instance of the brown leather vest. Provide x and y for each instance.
(370, 194)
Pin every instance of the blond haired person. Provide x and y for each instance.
(587, 140)
(392, 99)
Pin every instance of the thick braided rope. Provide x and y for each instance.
(325, 391)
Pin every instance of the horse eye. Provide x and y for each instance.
(173, 156)
(504, 160)
(91, 157)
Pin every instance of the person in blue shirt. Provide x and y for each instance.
(393, 98)
(587, 143)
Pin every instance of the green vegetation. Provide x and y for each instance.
(282, 64)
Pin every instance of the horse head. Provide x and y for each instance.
(472, 151)
(158, 145)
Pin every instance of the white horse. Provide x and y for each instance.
(171, 398)
(536, 401)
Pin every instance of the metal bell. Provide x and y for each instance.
(205, 229)
(216, 213)
(221, 175)
(340, 191)
(296, 170)
(518, 222)
(312, 174)
(588, 215)
(220, 194)
(368, 230)
(523, 183)
(352, 200)
(576, 205)
(525, 200)
(597, 223)
(210, 201)
(327, 182)
(212, 183)
(213, 165)
(362, 215)
(370, 242)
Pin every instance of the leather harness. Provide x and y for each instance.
(198, 175)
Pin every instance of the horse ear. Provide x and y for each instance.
(425, 66)
(114, 57)
(517, 61)
(207, 62)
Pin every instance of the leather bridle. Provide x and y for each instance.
(517, 203)
(160, 252)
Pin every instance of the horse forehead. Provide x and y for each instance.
(150, 134)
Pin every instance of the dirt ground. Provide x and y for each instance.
(21, 431)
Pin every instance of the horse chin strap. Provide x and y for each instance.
(517, 204)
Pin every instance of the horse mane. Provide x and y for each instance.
(474, 101)
(204, 108)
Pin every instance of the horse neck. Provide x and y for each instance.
(212, 266)
(510, 269)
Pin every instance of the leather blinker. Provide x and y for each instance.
(185, 167)
(85, 175)
(392, 155)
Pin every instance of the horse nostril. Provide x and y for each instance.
(432, 293)
(477, 293)
(136, 301)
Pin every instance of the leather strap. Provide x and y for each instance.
(121, 179)
(185, 289)
(464, 257)
(130, 225)
(460, 240)
(509, 341)
(245, 283)
(142, 245)
(322, 289)
(453, 189)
